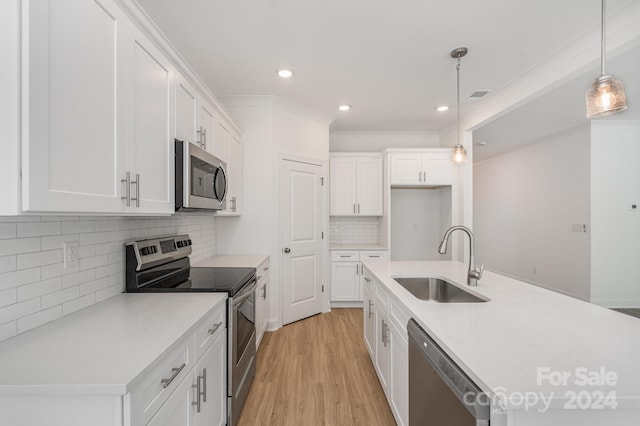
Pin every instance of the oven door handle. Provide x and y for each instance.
(245, 294)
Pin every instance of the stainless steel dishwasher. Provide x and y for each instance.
(440, 393)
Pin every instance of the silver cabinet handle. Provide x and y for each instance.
(127, 189)
(354, 208)
(345, 255)
(198, 393)
(384, 341)
(367, 279)
(358, 208)
(204, 385)
(234, 202)
(204, 132)
(266, 268)
(137, 184)
(199, 132)
(216, 326)
(264, 292)
(419, 176)
(176, 370)
(370, 306)
(259, 277)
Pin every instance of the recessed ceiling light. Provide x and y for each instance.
(344, 107)
(284, 73)
(442, 108)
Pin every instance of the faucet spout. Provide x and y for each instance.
(474, 273)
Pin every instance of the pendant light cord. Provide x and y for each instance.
(458, 99)
(602, 38)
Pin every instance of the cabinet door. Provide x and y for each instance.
(234, 175)
(438, 171)
(186, 110)
(369, 320)
(399, 375)
(221, 142)
(369, 186)
(406, 169)
(343, 187)
(206, 126)
(345, 281)
(211, 372)
(150, 133)
(261, 310)
(74, 102)
(177, 410)
(383, 349)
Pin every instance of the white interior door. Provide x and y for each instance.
(300, 222)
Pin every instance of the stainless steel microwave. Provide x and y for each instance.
(201, 181)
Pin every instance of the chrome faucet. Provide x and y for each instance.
(474, 274)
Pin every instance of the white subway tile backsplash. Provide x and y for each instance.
(57, 241)
(41, 258)
(354, 230)
(19, 310)
(8, 297)
(8, 230)
(8, 330)
(30, 291)
(8, 263)
(19, 245)
(77, 304)
(34, 286)
(38, 229)
(18, 278)
(59, 297)
(39, 318)
(78, 227)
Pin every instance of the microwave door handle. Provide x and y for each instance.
(224, 191)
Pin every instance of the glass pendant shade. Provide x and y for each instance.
(459, 155)
(605, 96)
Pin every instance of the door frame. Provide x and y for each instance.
(324, 223)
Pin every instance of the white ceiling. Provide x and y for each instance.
(389, 60)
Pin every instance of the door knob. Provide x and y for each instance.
(287, 250)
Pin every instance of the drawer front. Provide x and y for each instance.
(169, 371)
(210, 328)
(345, 256)
(372, 256)
(399, 317)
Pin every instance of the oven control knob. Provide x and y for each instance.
(144, 251)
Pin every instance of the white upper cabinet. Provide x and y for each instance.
(221, 142)
(356, 185)
(150, 154)
(421, 168)
(74, 106)
(101, 105)
(186, 110)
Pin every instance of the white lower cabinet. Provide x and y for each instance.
(262, 301)
(385, 336)
(347, 273)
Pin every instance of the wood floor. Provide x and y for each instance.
(316, 372)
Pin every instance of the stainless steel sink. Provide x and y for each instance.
(436, 289)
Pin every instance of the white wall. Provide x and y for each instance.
(615, 240)
(525, 203)
(36, 289)
(378, 141)
(273, 128)
(419, 218)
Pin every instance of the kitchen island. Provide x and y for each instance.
(541, 357)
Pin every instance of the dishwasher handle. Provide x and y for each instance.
(459, 383)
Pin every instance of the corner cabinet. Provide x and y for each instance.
(385, 336)
(356, 185)
(428, 167)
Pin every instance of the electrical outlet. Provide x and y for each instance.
(71, 256)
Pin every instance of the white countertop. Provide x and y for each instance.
(501, 344)
(102, 349)
(233, 261)
(363, 247)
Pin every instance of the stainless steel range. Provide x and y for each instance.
(162, 265)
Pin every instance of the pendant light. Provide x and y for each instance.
(459, 155)
(606, 94)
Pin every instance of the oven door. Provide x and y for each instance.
(242, 349)
(201, 181)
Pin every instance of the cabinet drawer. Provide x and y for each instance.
(372, 256)
(210, 328)
(345, 256)
(163, 379)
